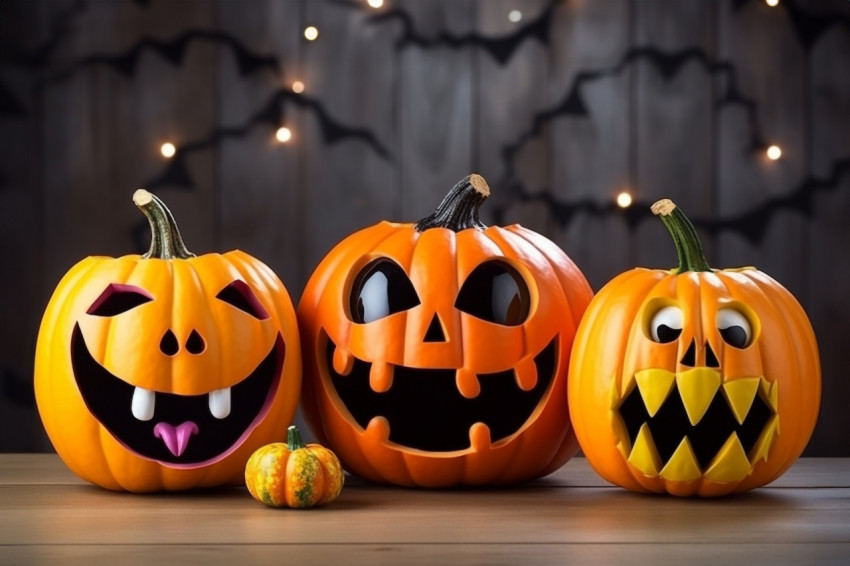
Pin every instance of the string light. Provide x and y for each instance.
(376, 3)
(514, 16)
(774, 152)
(168, 150)
(283, 134)
(311, 33)
(772, 3)
(297, 87)
(624, 200)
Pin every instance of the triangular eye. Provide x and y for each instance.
(118, 298)
(239, 295)
(381, 288)
(495, 292)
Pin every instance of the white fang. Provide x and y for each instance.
(220, 403)
(144, 403)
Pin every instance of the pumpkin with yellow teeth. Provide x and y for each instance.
(693, 381)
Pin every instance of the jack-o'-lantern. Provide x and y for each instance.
(693, 381)
(166, 371)
(436, 353)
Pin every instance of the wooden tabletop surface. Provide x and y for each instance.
(48, 516)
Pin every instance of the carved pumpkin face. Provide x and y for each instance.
(156, 373)
(693, 381)
(437, 352)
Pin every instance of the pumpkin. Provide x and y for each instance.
(436, 352)
(693, 381)
(293, 474)
(165, 371)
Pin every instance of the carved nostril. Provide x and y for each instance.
(435, 331)
(710, 358)
(195, 344)
(689, 359)
(169, 345)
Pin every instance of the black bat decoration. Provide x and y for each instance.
(668, 64)
(173, 51)
(810, 26)
(500, 48)
(270, 114)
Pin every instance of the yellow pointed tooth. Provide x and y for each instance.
(740, 394)
(654, 385)
(621, 433)
(644, 457)
(762, 448)
(614, 400)
(616, 395)
(773, 401)
(773, 397)
(697, 387)
(731, 463)
(764, 385)
(682, 465)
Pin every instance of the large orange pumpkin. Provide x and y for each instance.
(436, 353)
(166, 371)
(693, 381)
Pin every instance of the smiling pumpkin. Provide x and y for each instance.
(166, 371)
(436, 352)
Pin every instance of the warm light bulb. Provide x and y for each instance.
(772, 2)
(774, 152)
(283, 134)
(514, 16)
(376, 3)
(167, 149)
(311, 33)
(624, 200)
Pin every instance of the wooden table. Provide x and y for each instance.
(48, 516)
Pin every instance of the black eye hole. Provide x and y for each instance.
(734, 328)
(495, 292)
(239, 295)
(381, 288)
(118, 298)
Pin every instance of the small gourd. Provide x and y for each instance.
(293, 474)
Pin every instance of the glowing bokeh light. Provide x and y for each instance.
(283, 134)
(168, 149)
(774, 152)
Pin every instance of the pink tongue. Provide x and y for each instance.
(176, 438)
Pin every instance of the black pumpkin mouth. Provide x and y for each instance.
(691, 424)
(426, 411)
(176, 430)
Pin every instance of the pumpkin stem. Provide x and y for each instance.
(459, 209)
(166, 242)
(293, 439)
(688, 246)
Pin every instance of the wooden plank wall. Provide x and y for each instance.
(82, 140)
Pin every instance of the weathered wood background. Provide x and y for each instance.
(89, 91)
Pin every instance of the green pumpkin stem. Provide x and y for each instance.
(166, 242)
(688, 246)
(293, 439)
(459, 210)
